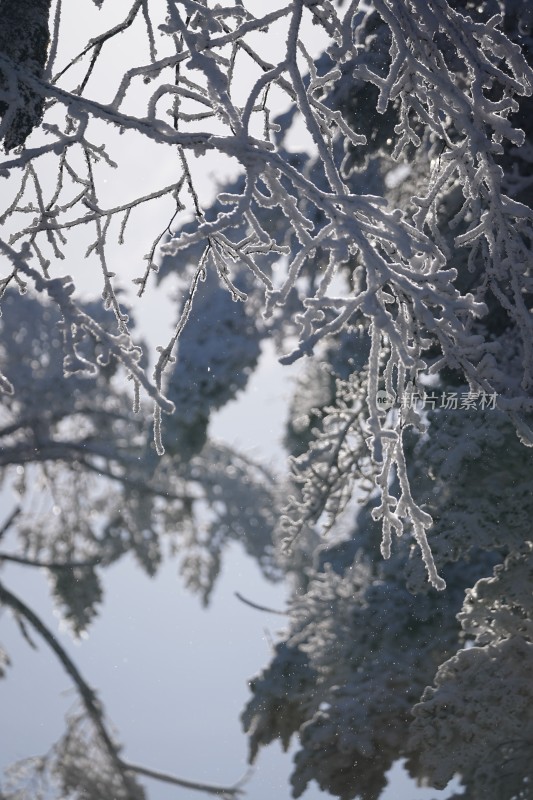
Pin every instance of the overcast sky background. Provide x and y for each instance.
(172, 676)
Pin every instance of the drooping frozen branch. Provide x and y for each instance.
(453, 85)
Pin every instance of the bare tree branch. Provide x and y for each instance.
(95, 710)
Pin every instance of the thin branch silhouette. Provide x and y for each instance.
(95, 710)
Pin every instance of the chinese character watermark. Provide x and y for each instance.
(468, 401)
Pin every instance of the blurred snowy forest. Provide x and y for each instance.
(372, 215)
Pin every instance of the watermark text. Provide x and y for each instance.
(470, 401)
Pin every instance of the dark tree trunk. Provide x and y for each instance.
(24, 38)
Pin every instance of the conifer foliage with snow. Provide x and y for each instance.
(382, 228)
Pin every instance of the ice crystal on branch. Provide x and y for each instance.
(454, 84)
(393, 242)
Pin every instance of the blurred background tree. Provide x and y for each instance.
(394, 248)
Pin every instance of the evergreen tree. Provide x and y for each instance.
(395, 250)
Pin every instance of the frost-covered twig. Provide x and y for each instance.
(453, 85)
(77, 323)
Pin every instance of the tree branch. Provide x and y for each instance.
(226, 792)
(87, 695)
(250, 603)
(95, 711)
(10, 520)
(30, 562)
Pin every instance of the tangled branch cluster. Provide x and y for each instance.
(454, 85)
